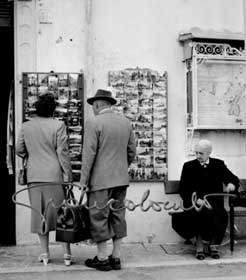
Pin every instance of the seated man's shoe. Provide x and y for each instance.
(200, 255)
(214, 252)
(67, 259)
(97, 264)
(114, 262)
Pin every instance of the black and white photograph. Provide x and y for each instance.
(123, 142)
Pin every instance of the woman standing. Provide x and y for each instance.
(43, 142)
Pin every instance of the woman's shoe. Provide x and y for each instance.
(44, 258)
(214, 252)
(200, 255)
(67, 259)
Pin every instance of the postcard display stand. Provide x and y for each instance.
(142, 97)
(68, 90)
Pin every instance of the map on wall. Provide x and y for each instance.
(221, 94)
(142, 97)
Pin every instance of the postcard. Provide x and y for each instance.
(73, 80)
(74, 120)
(75, 147)
(42, 90)
(31, 100)
(76, 175)
(32, 91)
(62, 80)
(32, 79)
(43, 79)
(52, 82)
(74, 93)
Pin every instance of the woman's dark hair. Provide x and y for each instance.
(45, 106)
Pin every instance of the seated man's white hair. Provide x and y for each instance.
(206, 144)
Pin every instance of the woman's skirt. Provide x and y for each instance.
(45, 198)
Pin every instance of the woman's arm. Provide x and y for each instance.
(21, 150)
(63, 153)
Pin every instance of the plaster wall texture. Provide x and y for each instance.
(96, 36)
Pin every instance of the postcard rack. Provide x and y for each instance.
(142, 97)
(69, 93)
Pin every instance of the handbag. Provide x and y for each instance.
(22, 177)
(73, 222)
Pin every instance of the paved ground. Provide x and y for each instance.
(196, 272)
(23, 259)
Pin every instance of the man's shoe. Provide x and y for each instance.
(114, 262)
(44, 258)
(97, 264)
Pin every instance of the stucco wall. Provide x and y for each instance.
(96, 36)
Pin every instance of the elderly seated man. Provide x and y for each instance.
(206, 175)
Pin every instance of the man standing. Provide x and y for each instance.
(206, 175)
(108, 150)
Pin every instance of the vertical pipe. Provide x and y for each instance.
(244, 20)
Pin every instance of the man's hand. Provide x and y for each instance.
(230, 188)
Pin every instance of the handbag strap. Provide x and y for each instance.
(24, 162)
(83, 192)
(70, 199)
(43, 217)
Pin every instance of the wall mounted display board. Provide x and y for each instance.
(68, 90)
(217, 96)
(142, 97)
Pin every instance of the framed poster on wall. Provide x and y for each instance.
(142, 97)
(69, 94)
(217, 88)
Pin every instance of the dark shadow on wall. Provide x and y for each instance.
(7, 207)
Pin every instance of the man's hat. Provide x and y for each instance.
(102, 94)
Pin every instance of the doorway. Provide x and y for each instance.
(7, 207)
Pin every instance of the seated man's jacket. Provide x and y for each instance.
(205, 180)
